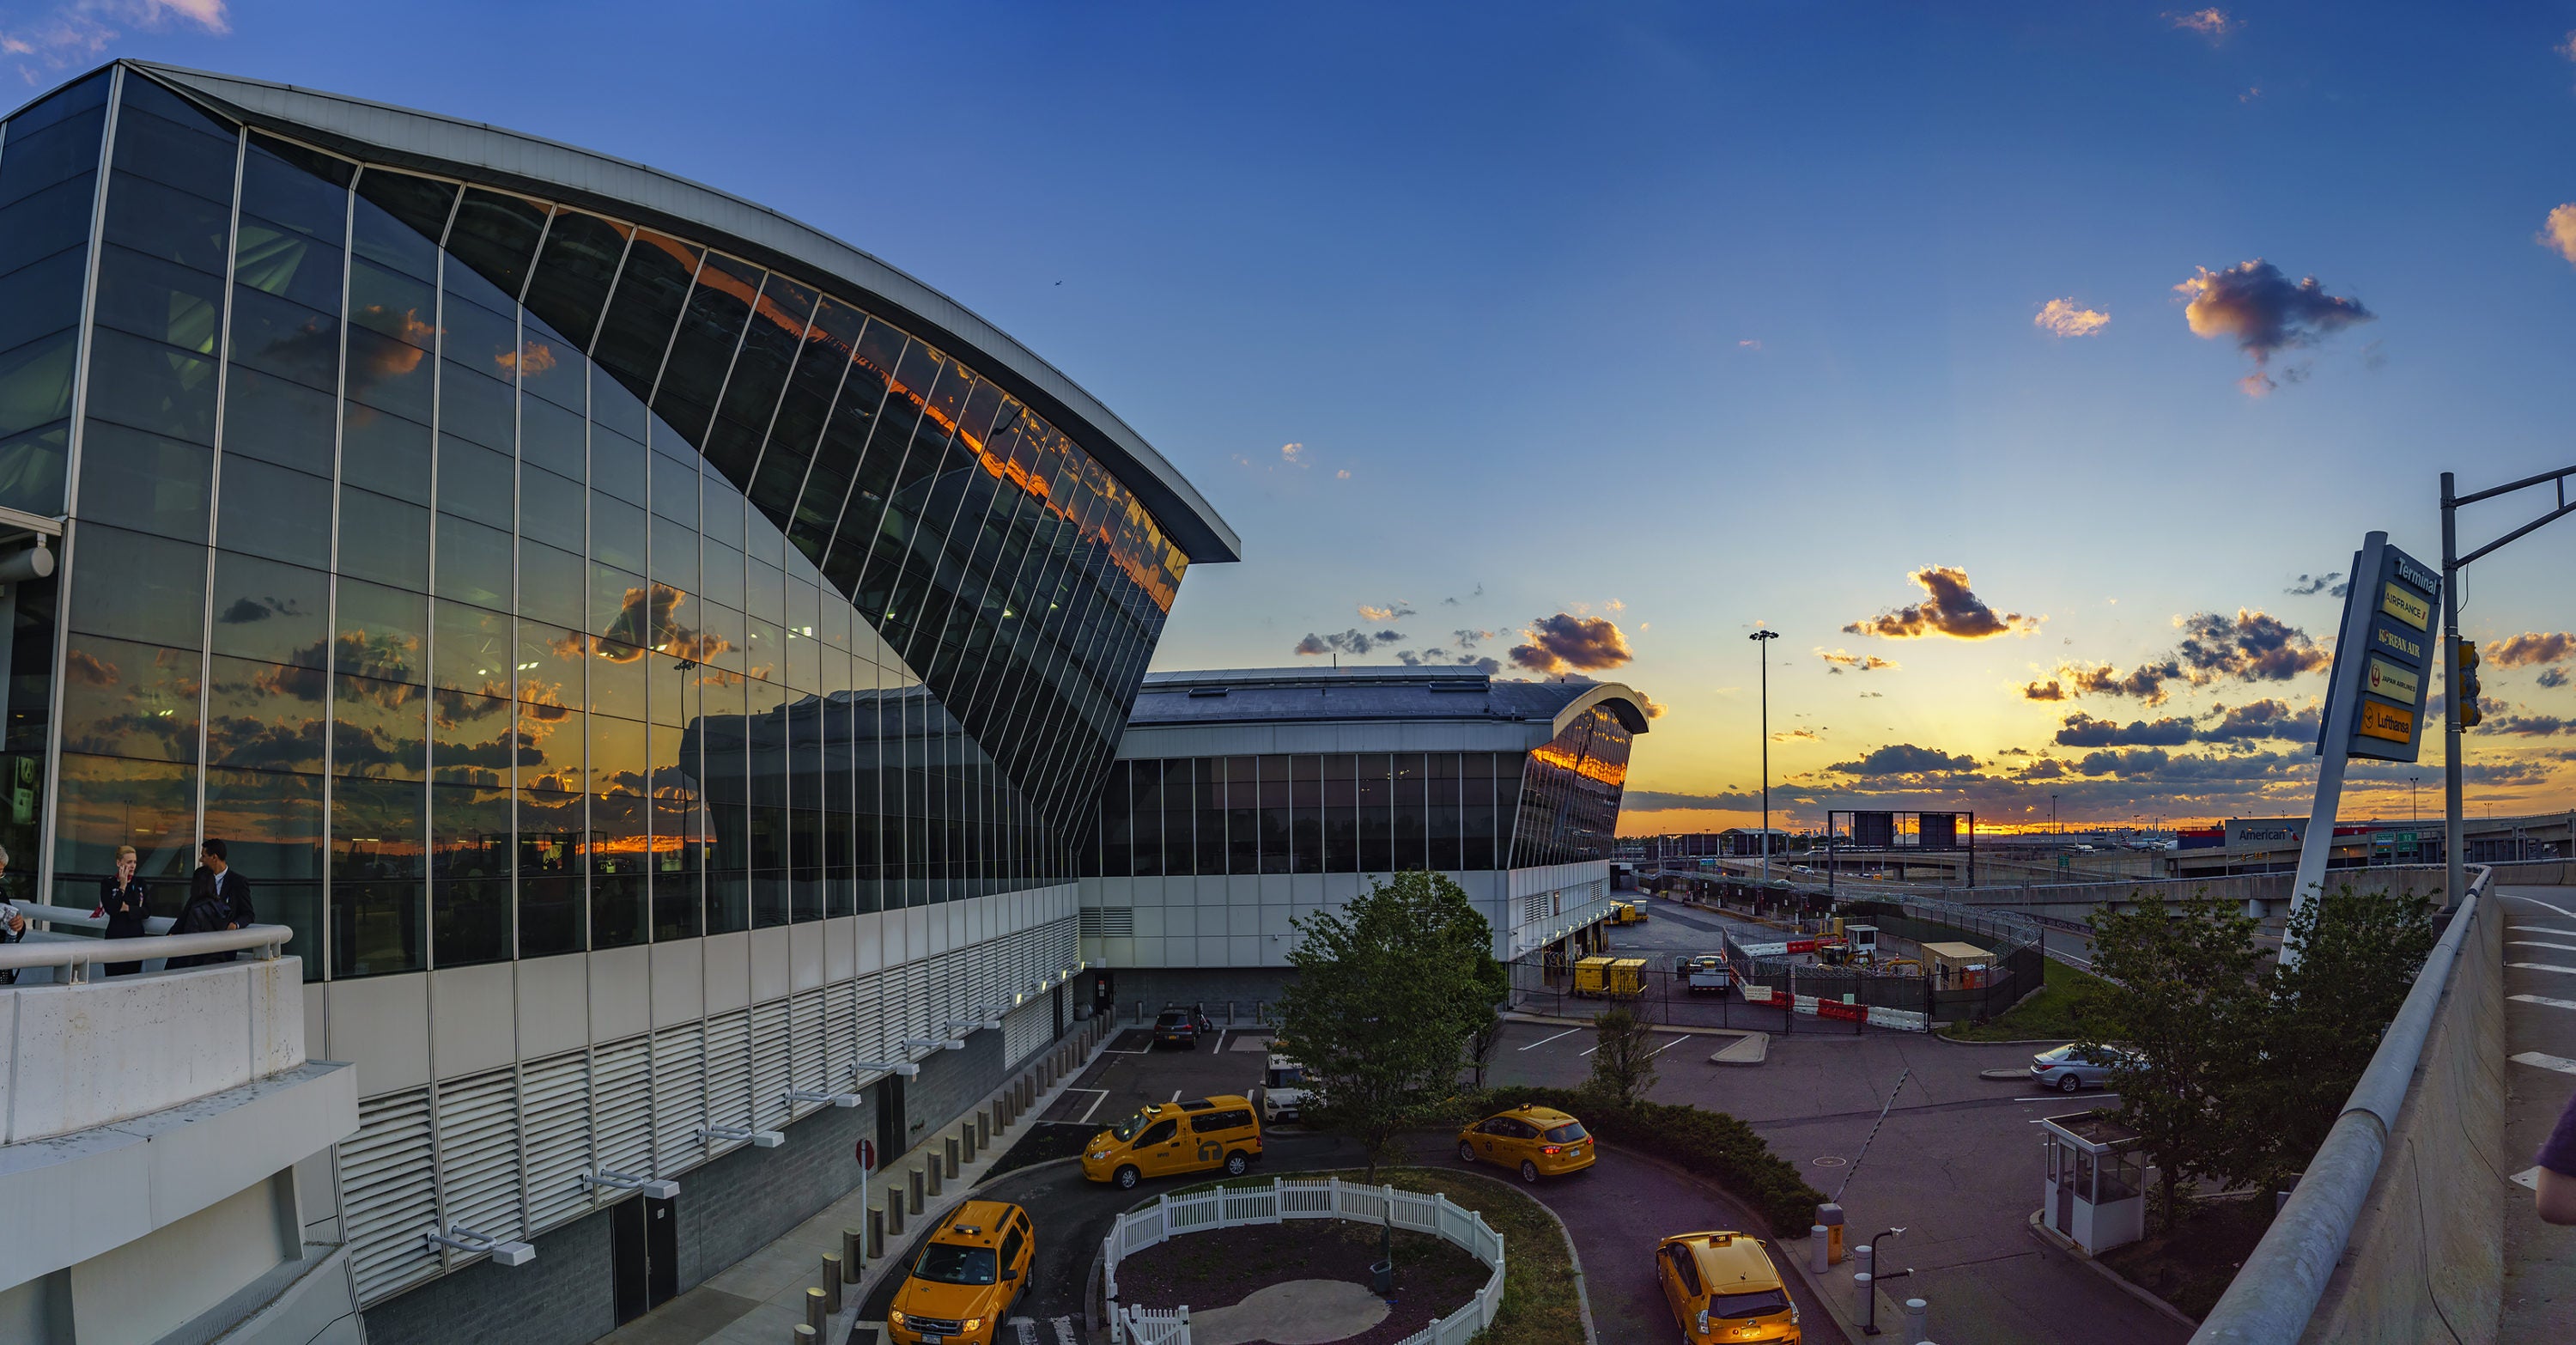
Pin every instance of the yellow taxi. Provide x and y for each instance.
(1169, 1138)
(1722, 1287)
(1538, 1141)
(971, 1269)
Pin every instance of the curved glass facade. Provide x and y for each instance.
(1569, 804)
(503, 579)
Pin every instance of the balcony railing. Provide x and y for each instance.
(78, 954)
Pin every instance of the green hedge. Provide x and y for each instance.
(1711, 1144)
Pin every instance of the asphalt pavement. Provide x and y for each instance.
(2540, 1072)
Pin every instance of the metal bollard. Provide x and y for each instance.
(831, 1290)
(948, 1165)
(1918, 1316)
(803, 1334)
(1817, 1251)
(984, 1128)
(915, 1174)
(877, 1234)
(815, 1313)
(854, 1253)
(934, 1174)
(967, 1135)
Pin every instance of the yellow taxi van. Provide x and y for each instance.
(1170, 1138)
(972, 1268)
(1723, 1287)
(1533, 1141)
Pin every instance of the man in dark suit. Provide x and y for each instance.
(231, 886)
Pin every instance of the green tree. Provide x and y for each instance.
(1386, 999)
(1494, 991)
(2186, 1003)
(1623, 1055)
(2358, 958)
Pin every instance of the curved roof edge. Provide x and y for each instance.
(405, 137)
(1623, 702)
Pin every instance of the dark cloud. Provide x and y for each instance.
(2083, 730)
(2014, 752)
(2309, 586)
(1565, 641)
(1949, 608)
(2043, 691)
(2261, 719)
(2529, 726)
(2146, 681)
(2552, 677)
(2255, 647)
(1656, 800)
(2265, 312)
(2531, 647)
(245, 610)
(1353, 641)
(1905, 759)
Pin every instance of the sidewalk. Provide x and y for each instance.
(760, 1300)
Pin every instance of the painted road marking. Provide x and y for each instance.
(2529, 1177)
(1095, 1102)
(2535, 943)
(1666, 1047)
(2542, 966)
(2538, 929)
(2559, 1063)
(2544, 999)
(1027, 1329)
(1176, 1095)
(1063, 1330)
(1545, 1040)
(2515, 896)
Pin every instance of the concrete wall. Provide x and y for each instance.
(75, 1057)
(1211, 987)
(2426, 1258)
(565, 1296)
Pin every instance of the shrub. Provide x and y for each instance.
(1709, 1144)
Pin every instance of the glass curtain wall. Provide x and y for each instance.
(502, 579)
(1569, 797)
(1327, 813)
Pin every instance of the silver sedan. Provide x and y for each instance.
(2070, 1068)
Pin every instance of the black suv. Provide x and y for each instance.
(1176, 1025)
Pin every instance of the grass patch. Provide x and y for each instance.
(1540, 1306)
(2056, 1012)
(2192, 1265)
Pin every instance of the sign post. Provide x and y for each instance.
(2374, 695)
(866, 1153)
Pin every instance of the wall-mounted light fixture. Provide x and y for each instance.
(760, 1139)
(467, 1240)
(657, 1188)
(836, 1099)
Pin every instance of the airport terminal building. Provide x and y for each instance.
(660, 661)
(1244, 798)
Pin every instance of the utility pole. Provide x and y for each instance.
(1761, 643)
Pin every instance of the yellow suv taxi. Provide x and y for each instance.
(1538, 1141)
(1175, 1137)
(1722, 1287)
(971, 1269)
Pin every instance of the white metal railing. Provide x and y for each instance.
(1283, 1199)
(80, 952)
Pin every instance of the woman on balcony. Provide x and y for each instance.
(121, 900)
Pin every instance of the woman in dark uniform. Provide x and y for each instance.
(121, 899)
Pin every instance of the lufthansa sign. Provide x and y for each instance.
(2386, 722)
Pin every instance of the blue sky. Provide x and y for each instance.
(1682, 318)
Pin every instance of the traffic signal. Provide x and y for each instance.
(2466, 685)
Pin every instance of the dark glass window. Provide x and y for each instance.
(271, 612)
(650, 294)
(43, 296)
(1410, 815)
(378, 835)
(475, 407)
(387, 375)
(1476, 809)
(43, 153)
(286, 340)
(148, 483)
(1376, 812)
(552, 438)
(264, 716)
(139, 587)
(1212, 815)
(145, 384)
(57, 218)
(1443, 812)
(1118, 821)
(473, 562)
(382, 633)
(617, 465)
(573, 274)
(1147, 807)
(129, 700)
(169, 143)
(400, 219)
(702, 352)
(277, 421)
(162, 300)
(1341, 814)
(474, 653)
(616, 532)
(769, 348)
(497, 236)
(392, 303)
(551, 583)
(477, 483)
(551, 509)
(384, 539)
(472, 917)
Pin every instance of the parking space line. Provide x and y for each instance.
(1545, 1040)
(2539, 1060)
(2544, 999)
(1666, 1046)
(2543, 966)
(1095, 1102)
(2535, 943)
(2538, 929)
(1176, 1095)
(2516, 896)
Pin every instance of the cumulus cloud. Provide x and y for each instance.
(1659, 800)
(2330, 584)
(2255, 647)
(2083, 730)
(1905, 759)
(1353, 641)
(1565, 642)
(2558, 232)
(2043, 691)
(2531, 647)
(2552, 677)
(2265, 312)
(1797, 735)
(2146, 681)
(1393, 611)
(1837, 660)
(2212, 23)
(1949, 608)
(2261, 719)
(1294, 455)
(2530, 726)
(2065, 317)
(1654, 710)
(72, 33)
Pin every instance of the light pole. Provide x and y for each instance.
(2452, 563)
(2411, 782)
(1761, 645)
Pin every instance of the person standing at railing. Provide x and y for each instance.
(206, 913)
(13, 922)
(121, 899)
(231, 886)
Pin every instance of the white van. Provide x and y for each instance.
(1283, 1090)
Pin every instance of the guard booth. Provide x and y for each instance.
(1957, 966)
(2095, 1191)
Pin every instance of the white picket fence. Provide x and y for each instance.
(1284, 1199)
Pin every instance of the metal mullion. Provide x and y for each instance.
(715, 404)
(599, 325)
(1069, 640)
(786, 384)
(331, 580)
(215, 475)
(429, 641)
(73, 438)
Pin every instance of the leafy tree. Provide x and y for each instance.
(1494, 990)
(2358, 958)
(1386, 999)
(1623, 1058)
(2185, 1002)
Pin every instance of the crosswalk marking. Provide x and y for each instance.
(2544, 999)
(2559, 1063)
(2535, 943)
(2542, 966)
(1063, 1331)
(1026, 1329)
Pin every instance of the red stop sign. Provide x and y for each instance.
(867, 1154)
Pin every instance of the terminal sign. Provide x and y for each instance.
(2390, 631)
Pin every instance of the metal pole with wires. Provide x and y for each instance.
(2459, 678)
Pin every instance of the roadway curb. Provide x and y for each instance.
(1797, 1265)
(1556, 1020)
(2134, 1290)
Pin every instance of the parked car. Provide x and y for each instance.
(1178, 1027)
(1283, 1089)
(1722, 1286)
(1535, 1141)
(972, 1270)
(1169, 1138)
(2072, 1068)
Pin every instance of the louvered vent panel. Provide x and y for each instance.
(729, 1070)
(915, 1008)
(805, 1044)
(557, 1121)
(841, 1033)
(679, 1098)
(622, 1107)
(387, 1191)
(1108, 922)
(1025, 1031)
(770, 1075)
(875, 1040)
(478, 1155)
